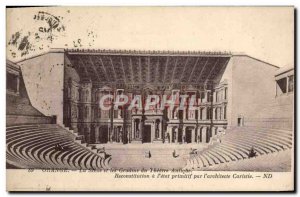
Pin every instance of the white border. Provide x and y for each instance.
(5, 3)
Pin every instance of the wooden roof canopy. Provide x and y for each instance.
(148, 67)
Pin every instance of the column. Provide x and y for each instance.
(176, 134)
(204, 113)
(160, 129)
(184, 114)
(212, 131)
(18, 83)
(197, 135)
(109, 133)
(214, 96)
(132, 127)
(222, 113)
(216, 130)
(203, 132)
(169, 133)
(129, 137)
(121, 133)
(209, 135)
(97, 134)
(183, 135)
(140, 128)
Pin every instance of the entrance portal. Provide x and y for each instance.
(147, 134)
(188, 137)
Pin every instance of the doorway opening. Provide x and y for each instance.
(103, 134)
(240, 121)
(188, 137)
(147, 134)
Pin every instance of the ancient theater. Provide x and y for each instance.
(239, 104)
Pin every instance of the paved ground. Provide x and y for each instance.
(134, 156)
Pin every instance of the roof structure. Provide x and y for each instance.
(148, 67)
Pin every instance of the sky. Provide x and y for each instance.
(266, 33)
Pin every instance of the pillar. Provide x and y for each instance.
(120, 134)
(110, 130)
(204, 133)
(197, 135)
(132, 127)
(169, 132)
(176, 134)
(129, 131)
(213, 131)
(204, 117)
(97, 134)
(140, 129)
(183, 135)
(160, 129)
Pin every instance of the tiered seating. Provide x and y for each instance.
(35, 146)
(236, 144)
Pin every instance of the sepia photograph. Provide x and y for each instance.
(150, 98)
